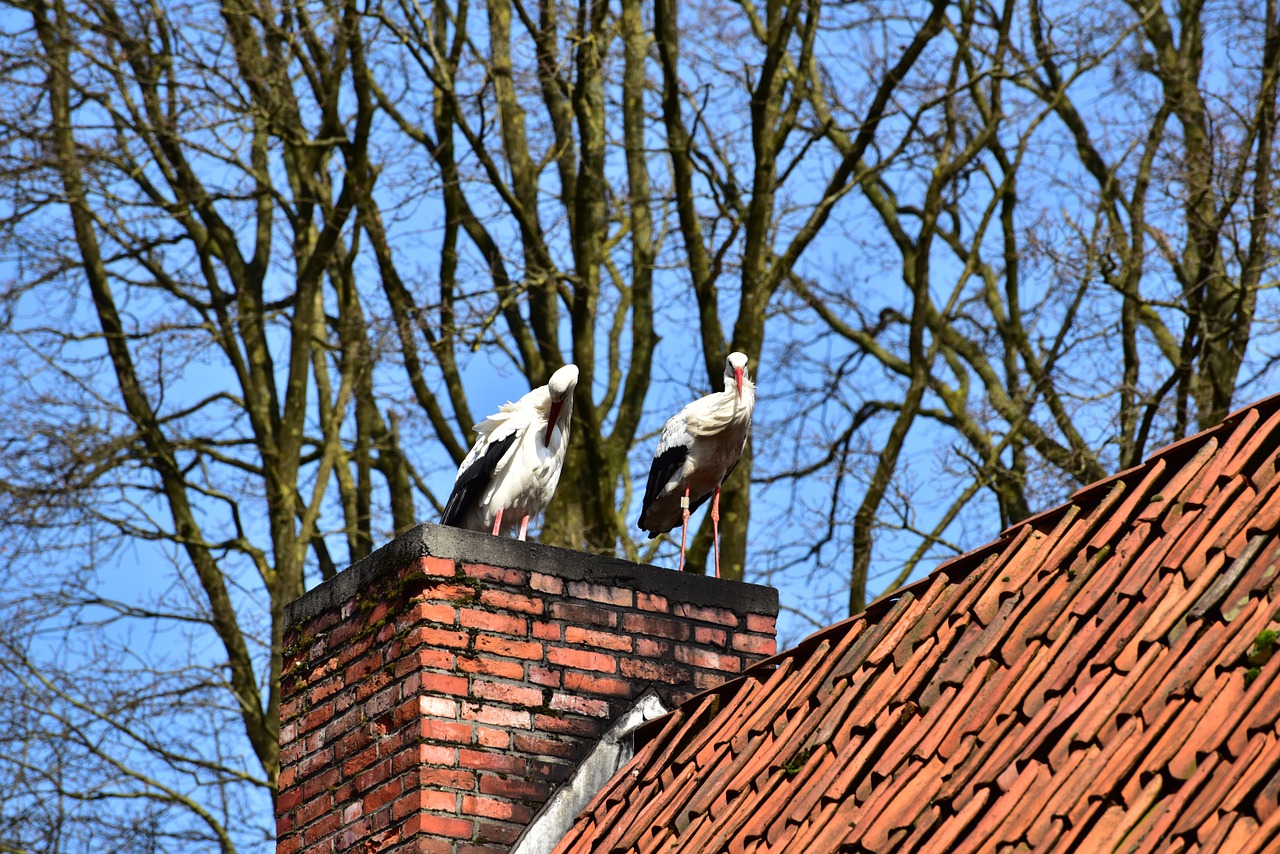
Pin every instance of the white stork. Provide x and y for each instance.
(514, 466)
(700, 445)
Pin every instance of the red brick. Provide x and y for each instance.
(498, 645)
(755, 645)
(428, 612)
(542, 676)
(288, 800)
(324, 690)
(653, 648)
(428, 636)
(722, 616)
(345, 636)
(317, 717)
(446, 778)
(589, 728)
(510, 787)
(440, 707)
(495, 715)
(540, 745)
(517, 695)
(553, 771)
(436, 800)
(375, 611)
(408, 760)
(762, 623)
(291, 710)
(409, 711)
(432, 565)
(326, 826)
(709, 659)
(506, 601)
(443, 683)
(294, 752)
(603, 640)
(437, 658)
(360, 761)
(435, 754)
(651, 602)
(439, 825)
(494, 808)
(710, 636)
(647, 624)
(497, 739)
(321, 624)
(380, 797)
(370, 686)
(352, 654)
(592, 615)
(319, 783)
(546, 631)
(582, 659)
(411, 802)
(374, 707)
(315, 761)
(501, 832)
(657, 671)
(506, 624)
(496, 574)
(289, 844)
(546, 583)
(491, 848)
(351, 835)
(502, 762)
(575, 681)
(458, 594)
(581, 705)
(603, 593)
(704, 679)
(448, 731)
(492, 667)
(313, 809)
(375, 776)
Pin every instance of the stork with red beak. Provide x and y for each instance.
(700, 445)
(514, 466)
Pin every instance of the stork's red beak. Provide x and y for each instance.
(556, 406)
(737, 372)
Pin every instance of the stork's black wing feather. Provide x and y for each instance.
(472, 482)
(664, 466)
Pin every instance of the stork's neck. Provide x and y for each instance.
(744, 404)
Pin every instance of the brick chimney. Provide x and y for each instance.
(435, 693)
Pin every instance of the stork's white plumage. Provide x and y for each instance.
(514, 466)
(700, 445)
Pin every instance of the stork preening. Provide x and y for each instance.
(514, 466)
(700, 445)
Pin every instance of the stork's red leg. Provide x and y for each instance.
(497, 522)
(524, 526)
(715, 527)
(684, 529)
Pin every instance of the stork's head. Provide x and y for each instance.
(735, 372)
(561, 388)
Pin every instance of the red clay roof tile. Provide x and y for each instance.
(1084, 682)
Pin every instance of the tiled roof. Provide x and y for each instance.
(1097, 679)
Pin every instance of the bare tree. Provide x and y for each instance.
(1086, 227)
(269, 262)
